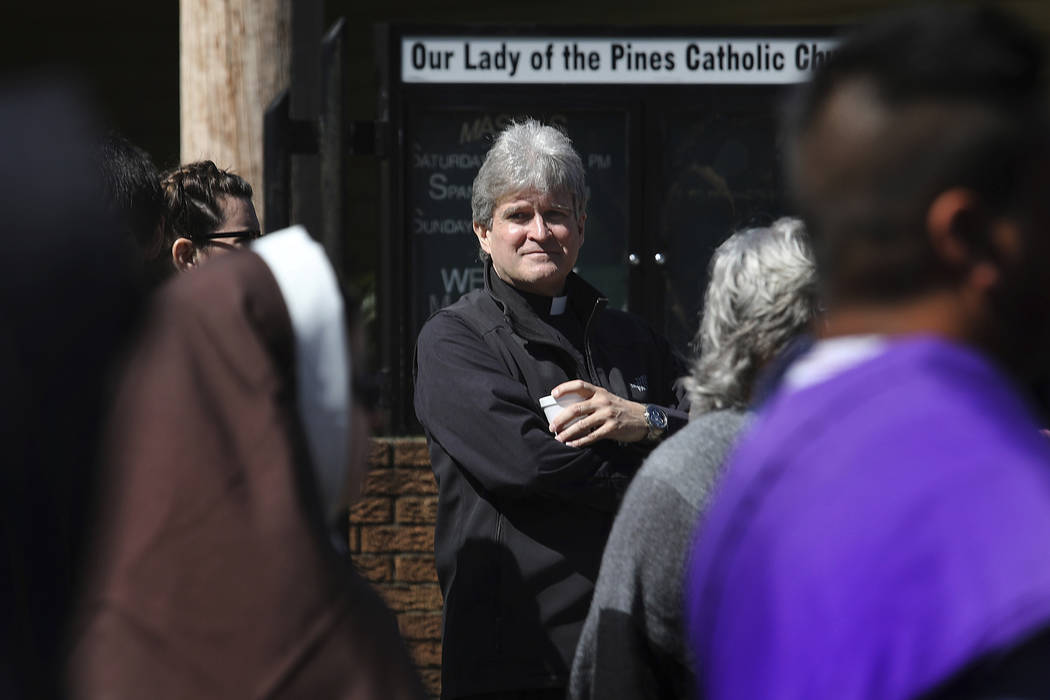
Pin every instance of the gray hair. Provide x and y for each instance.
(762, 293)
(528, 155)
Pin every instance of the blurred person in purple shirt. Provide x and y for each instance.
(884, 529)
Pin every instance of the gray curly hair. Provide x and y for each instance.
(528, 155)
(762, 293)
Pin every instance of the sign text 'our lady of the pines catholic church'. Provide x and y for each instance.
(679, 60)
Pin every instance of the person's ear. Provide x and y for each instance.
(957, 227)
(580, 224)
(183, 254)
(483, 236)
(966, 238)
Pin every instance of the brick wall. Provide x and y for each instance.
(392, 542)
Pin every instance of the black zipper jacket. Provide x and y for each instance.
(522, 518)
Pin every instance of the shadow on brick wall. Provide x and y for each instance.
(392, 544)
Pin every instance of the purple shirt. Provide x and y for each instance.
(874, 533)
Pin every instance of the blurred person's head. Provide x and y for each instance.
(762, 293)
(207, 211)
(918, 156)
(132, 185)
(68, 303)
(529, 207)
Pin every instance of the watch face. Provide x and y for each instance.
(656, 418)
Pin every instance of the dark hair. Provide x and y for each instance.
(191, 194)
(909, 107)
(132, 184)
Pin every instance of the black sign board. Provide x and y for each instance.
(447, 147)
(677, 131)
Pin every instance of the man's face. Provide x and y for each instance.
(534, 240)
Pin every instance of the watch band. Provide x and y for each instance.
(656, 420)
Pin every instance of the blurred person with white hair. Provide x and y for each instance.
(762, 294)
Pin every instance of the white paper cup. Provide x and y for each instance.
(553, 406)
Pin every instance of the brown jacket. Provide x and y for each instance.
(213, 575)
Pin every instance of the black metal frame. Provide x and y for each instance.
(645, 106)
(305, 135)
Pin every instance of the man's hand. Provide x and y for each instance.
(605, 416)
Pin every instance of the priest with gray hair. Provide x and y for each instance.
(525, 502)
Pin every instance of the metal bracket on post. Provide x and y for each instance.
(368, 138)
(340, 138)
(282, 136)
(332, 136)
(392, 281)
(277, 163)
(307, 23)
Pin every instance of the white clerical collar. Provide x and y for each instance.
(558, 305)
(830, 357)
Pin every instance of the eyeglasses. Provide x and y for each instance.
(240, 238)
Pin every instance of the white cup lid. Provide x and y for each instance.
(548, 401)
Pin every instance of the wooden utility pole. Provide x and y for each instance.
(235, 56)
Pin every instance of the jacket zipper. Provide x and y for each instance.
(587, 340)
(499, 589)
(588, 359)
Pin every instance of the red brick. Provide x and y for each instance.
(420, 597)
(415, 569)
(420, 625)
(355, 538)
(371, 510)
(431, 681)
(411, 452)
(379, 453)
(395, 538)
(415, 482)
(414, 509)
(425, 653)
(376, 568)
(381, 482)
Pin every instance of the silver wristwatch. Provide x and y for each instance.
(656, 421)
